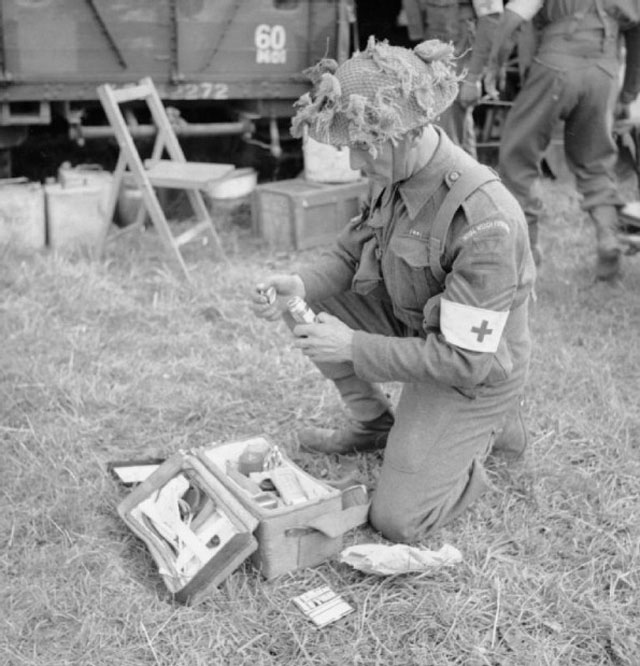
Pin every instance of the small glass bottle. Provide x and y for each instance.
(252, 458)
(300, 311)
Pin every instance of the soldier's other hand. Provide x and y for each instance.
(469, 93)
(622, 111)
(495, 78)
(328, 340)
(270, 296)
(494, 82)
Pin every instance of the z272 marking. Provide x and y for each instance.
(205, 90)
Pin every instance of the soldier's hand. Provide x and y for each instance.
(495, 77)
(494, 81)
(622, 111)
(470, 92)
(328, 340)
(270, 296)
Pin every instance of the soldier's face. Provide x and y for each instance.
(378, 168)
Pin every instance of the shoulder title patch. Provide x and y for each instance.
(483, 227)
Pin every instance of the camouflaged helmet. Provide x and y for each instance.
(377, 95)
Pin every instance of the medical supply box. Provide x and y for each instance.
(202, 513)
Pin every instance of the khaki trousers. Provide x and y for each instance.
(433, 461)
(580, 93)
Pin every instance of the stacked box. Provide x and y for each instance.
(22, 214)
(298, 214)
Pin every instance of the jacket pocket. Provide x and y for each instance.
(368, 277)
(411, 283)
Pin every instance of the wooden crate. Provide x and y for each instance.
(297, 214)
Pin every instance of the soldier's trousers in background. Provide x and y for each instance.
(581, 93)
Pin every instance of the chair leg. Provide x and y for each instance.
(202, 215)
(153, 207)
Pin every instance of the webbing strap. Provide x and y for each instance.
(462, 188)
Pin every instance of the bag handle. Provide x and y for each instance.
(334, 525)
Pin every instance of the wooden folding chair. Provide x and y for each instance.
(174, 173)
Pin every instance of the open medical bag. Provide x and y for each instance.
(201, 517)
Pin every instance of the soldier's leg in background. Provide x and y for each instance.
(526, 134)
(593, 163)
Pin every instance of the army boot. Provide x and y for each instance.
(609, 248)
(356, 436)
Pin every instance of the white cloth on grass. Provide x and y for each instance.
(377, 558)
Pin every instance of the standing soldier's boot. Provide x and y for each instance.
(609, 249)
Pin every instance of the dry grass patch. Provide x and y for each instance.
(120, 359)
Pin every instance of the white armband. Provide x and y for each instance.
(486, 7)
(471, 328)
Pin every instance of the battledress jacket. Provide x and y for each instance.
(467, 331)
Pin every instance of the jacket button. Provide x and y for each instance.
(454, 175)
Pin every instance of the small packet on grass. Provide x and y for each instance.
(322, 605)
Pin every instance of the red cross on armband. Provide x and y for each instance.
(471, 328)
(482, 330)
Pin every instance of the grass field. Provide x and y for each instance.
(120, 359)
